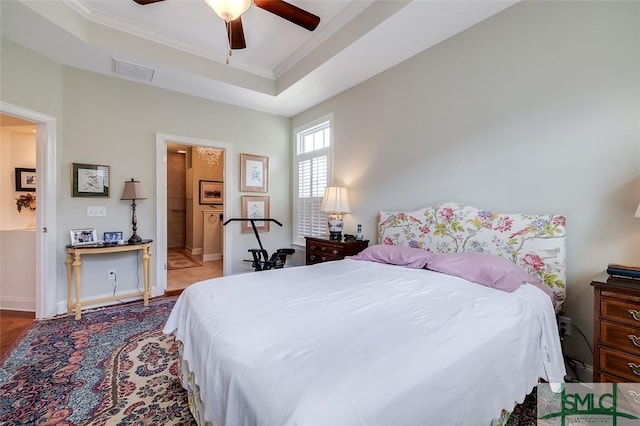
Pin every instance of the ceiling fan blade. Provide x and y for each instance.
(290, 12)
(235, 33)
(144, 2)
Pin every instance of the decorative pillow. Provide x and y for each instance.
(481, 268)
(394, 255)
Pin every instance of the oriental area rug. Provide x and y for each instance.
(112, 367)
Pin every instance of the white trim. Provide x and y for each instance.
(46, 242)
(162, 140)
(18, 304)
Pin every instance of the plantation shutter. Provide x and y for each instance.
(313, 150)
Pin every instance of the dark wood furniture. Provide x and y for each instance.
(616, 330)
(324, 250)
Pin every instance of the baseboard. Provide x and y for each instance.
(582, 370)
(18, 304)
(61, 306)
(211, 256)
(192, 250)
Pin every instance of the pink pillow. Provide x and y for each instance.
(482, 268)
(394, 255)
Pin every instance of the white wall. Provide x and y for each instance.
(110, 121)
(17, 149)
(535, 110)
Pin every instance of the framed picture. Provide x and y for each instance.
(89, 180)
(113, 237)
(254, 173)
(81, 237)
(256, 207)
(211, 192)
(25, 179)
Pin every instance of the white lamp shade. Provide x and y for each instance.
(336, 199)
(229, 9)
(637, 212)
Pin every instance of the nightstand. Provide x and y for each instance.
(324, 250)
(616, 330)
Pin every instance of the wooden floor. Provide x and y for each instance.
(12, 324)
(179, 279)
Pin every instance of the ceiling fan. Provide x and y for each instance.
(231, 11)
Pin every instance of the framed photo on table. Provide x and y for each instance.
(25, 179)
(211, 192)
(89, 180)
(254, 173)
(81, 237)
(255, 207)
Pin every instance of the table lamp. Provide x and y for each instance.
(133, 191)
(637, 215)
(335, 202)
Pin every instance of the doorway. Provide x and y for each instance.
(191, 243)
(45, 229)
(194, 224)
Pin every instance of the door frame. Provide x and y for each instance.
(162, 139)
(46, 184)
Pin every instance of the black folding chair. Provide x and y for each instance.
(261, 260)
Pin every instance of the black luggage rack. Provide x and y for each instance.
(261, 260)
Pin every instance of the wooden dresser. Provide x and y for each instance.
(616, 330)
(324, 250)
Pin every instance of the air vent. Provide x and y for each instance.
(127, 69)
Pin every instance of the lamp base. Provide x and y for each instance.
(335, 226)
(335, 236)
(135, 239)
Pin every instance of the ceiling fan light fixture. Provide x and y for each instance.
(229, 10)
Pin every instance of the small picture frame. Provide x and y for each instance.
(254, 173)
(211, 192)
(89, 180)
(255, 207)
(82, 237)
(113, 238)
(25, 179)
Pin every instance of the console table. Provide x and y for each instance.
(74, 270)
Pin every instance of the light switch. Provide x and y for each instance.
(96, 210)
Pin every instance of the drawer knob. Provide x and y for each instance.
(635, 396)
(312, 257)
(312, 247)
(635, 314)
(634, 339)
(635, 368)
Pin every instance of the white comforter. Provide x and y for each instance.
(361, 343)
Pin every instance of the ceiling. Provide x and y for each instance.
(284, 70)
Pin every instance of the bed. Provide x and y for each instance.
(384, 337)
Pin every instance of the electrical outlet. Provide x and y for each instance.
(564, 326)
(111, 275)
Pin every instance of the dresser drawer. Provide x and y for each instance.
(325, 249)
(626, 311)
(319, 258)
(620, 364)
(621, 337)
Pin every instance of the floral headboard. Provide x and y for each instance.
(536, 242)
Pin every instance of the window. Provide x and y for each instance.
(312, 166)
